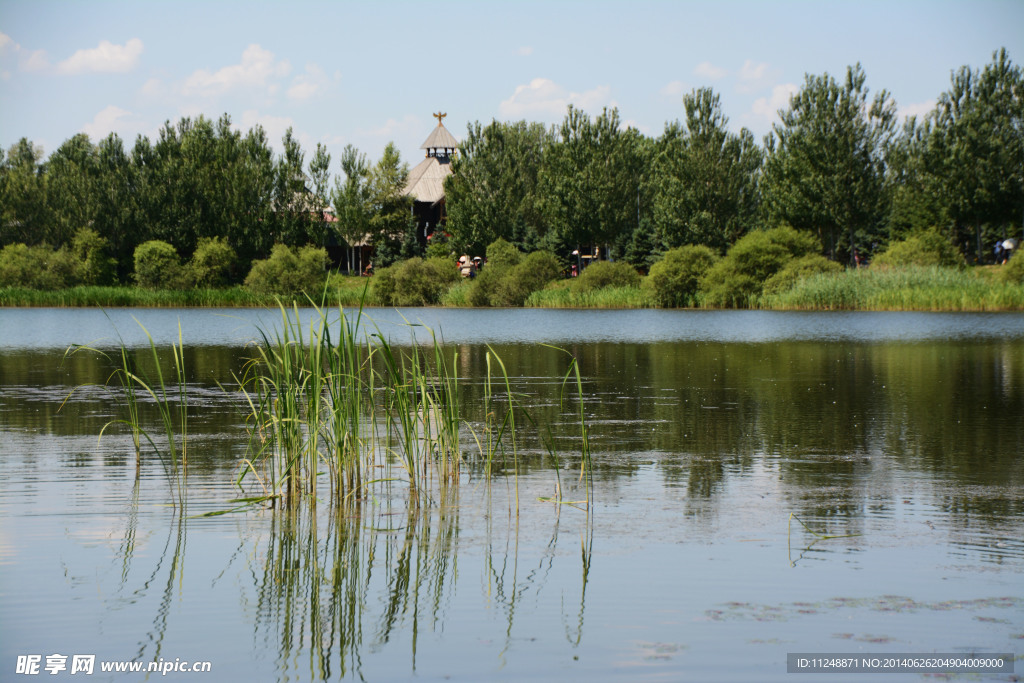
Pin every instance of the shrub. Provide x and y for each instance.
(675, 279)
(738, 279)
(93, 263)
(289, 272)
(212, 263)
(798, 269)
(36, 267)
(439, 249)
(484, 286)
(500, 284)
(606, 274)
(1013, 270)
(924, 248)
(501, 253)
(531, 274)
(157, 266)
(414, 282)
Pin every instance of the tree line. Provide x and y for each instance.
(837, 166)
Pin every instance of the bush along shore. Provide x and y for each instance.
(777, 269)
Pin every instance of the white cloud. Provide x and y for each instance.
(393, 128)
(768, 107)
(27, 60)
(302, 90)
(709, 71)
(753, 72)
(153, 87)
(920, 109)
(674, 89)
(525, 51)
(34, 61)
(105, 58)
(111, 119)
(544, 96)
(257, 69)
(308, 84)
(754, 77)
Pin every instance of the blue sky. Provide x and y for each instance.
(365, 73)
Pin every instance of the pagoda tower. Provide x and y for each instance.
(426, 180)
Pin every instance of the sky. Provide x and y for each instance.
(366, 73)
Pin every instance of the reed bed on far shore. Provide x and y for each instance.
(562, 295)
(911, 288)
(348, 291)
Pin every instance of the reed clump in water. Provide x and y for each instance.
(335, 407)
(342, 405)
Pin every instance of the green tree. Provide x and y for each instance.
(352, 203)
(24, 214)
(391, 224)
(922, 248)
(211, 263)
(975, 150)
(704, 178)
(916, 201)
(293, 202)
(824, 172)
(492, 192)
(252, 188)
(93, 263)
(290, 271)
(591, 183)
(319, 177)
(72, 174)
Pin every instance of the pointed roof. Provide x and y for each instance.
(439, 138)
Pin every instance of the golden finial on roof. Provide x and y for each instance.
(439, 116)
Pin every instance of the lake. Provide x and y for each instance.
(764, 483)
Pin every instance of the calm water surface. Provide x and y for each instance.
(725, 445)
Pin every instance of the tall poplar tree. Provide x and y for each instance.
(391, 221)
(492, 192)
(24, 214)
(352, 203)
(590, 183)
(704, 178)
(825, 166)
(975, 151)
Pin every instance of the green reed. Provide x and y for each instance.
(338, 401)
(170, 398)
(275, 384)
(562, 296)
(586, 479)
(497, 422)
(910, 288)
(421, 409)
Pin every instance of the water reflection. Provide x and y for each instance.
(839, 426)
(702, 451)
(335, 588)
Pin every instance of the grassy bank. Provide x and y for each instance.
(901, 289)
(562, 295)
(347, 291)
(897, 289)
